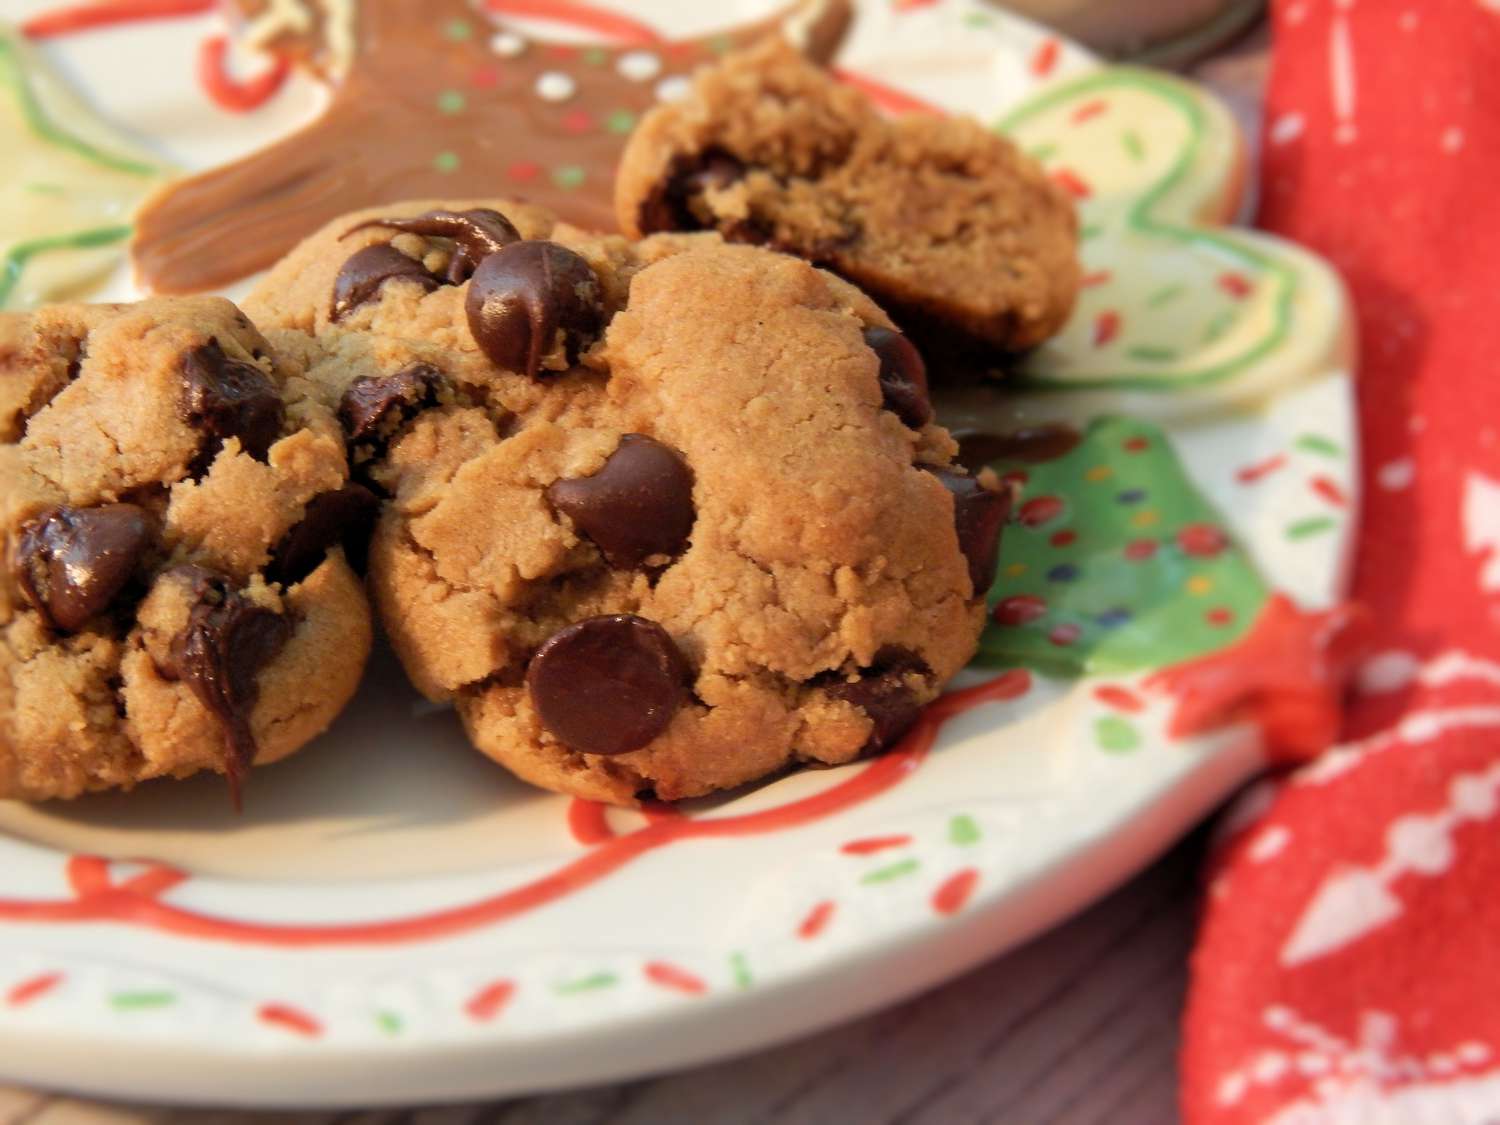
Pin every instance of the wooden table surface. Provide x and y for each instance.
(1079, 1027)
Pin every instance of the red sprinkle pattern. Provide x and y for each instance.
(816, 921)
(291, 1019)
(1250, 474)
(869, 845)
(1072, 183)
(1330, 491)
(1089, 110)
(954, 892)
(1120, 699)
(1044, 58)
(1106, 327)
(490, 1001)
(1237, 285)
(31, 989)
(676, 978)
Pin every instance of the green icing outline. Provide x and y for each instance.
(13, 75)
(1140, 219)
(13, 264)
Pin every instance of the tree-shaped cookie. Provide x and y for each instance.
(436, 101)
(1115, 562)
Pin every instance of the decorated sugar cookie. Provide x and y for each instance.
(71, 183)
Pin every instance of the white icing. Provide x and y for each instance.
(508, 45)
(638, 66)
(1398, 474)
(673, 88)
(555, 86)
(1481, 518)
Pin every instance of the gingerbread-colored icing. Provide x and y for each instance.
(437, 101)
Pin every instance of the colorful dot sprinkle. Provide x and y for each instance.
(1099, 472)
(1116, 735)
(577, 121)
(1202, 540)
(451, 102)
(1136, 445)
(458, 31)
(1148, 518)
(1040, 510)
(569, 176)
(1064, 634)
(1198, 585)
(620, 122)
(446, 162)
(1064, 538)
(524, 171)
(1139, 550)
(1130, 496)
(1021, 609)
(1015, 570)
(1063, 572)
(1112, 618)
(1219, 616)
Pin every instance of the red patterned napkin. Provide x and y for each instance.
(1348, 967)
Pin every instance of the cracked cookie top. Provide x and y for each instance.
(174, 596)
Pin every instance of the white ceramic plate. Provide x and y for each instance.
(394, 919)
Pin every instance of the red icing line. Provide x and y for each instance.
(600, 20)
(1044, 58)
(229, 93)
(1252, 473)
(490, 1000)
(1286, 675)
(955, 891)
(1089, 110)
(816, 921)
(872, 844)
(118, 903)
(1121, 699)
(886, 97)
(676, 978)
(1072, 183)
(589, 822)
(33, 989)
(1098, 277)
(289, 1019)
(1106, 327)
(86, 17)
(1329, 491)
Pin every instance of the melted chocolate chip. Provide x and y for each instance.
(607, 685)
(71, 563)
(227, 640)
(903, 376)
(529, 298)
(476, 234)
(345, 516)
(373, 405)
(978, 515)
(639, 504)
(361, 277)
(677, 204)
(224, 398)
(1033, 445)
(882, 693)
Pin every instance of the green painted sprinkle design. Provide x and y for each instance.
(1134, 147)
(458, 31)
(1043, 153)
(1317, 443)
(1116, 735)
(595, 56)
(591, 983)
(1090, 230)
(1165, 295)
(1222, 322)
(1314, 525)
(446, 162)
(141, 1001)
(13, 75)
(739, 965)
(620, 122)
(894, 871)
(963, 831)
(14, 262)
(569, 176)
(389, 1022)
(1151, 353)
(451, 102)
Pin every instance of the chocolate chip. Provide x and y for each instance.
(978, 515)
(528, 300)
(883, 693)
(476, 235)
(361, 277)
(903, 376)
(227, 640)
(225, 398)
(374, 405)
(607, 685)
(71, 563)
(639, 504)
(976, 449)
(345, 516)
(678, 204)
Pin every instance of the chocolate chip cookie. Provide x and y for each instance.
(175, 596)
(947, 224)
(661, 517)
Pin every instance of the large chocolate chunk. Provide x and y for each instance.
(531, 299)
(677, 203)
(978, 515)
(476, 234)
(227, 641)
(607, 685)
(361, 277)
(344, 517)
(224, 398)
(639, 504)
(883, 693)
(903, 376)
(71, 563)
(374, 405)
